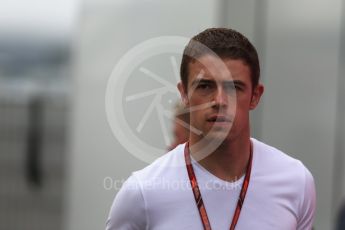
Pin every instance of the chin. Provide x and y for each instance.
(218, 136)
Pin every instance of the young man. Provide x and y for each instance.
(221, 178)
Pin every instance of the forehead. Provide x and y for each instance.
(219, 69)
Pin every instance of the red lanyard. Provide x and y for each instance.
(197, 195)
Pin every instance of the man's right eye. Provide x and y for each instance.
(206, 85)
(203, 86)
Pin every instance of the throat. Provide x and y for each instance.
(227, 162)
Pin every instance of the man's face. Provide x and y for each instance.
(220, 98)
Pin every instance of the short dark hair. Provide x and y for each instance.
(226, 43)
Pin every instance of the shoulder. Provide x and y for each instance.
(275, 159)
(272, 163)
(273, 166)
(128, 210)
(130, 206)
(168, 164)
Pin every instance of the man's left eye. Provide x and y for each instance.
(204, 86)
(232, 87)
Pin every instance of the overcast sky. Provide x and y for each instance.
(38, 18)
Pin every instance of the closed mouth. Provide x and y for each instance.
(218, 118)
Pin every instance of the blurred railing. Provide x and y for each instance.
(32, 157)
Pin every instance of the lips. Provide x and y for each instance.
(218, 118)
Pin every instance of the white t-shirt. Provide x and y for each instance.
(280, 196)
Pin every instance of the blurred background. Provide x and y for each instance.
(60, 164)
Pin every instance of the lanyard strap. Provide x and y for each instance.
(197, 195)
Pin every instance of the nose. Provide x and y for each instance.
(220, 98)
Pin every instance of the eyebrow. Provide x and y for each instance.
(201, 80)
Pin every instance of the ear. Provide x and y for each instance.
(257, 93)
(183, 93)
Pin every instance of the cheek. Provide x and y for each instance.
(243, 101)
(197, 119)
(195, 100)
(179, 132)
(196, 115)
(242, 107)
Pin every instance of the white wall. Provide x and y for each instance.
(108, 29)
(339, 170)
(301, 76)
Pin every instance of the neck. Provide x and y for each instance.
(229, 161)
